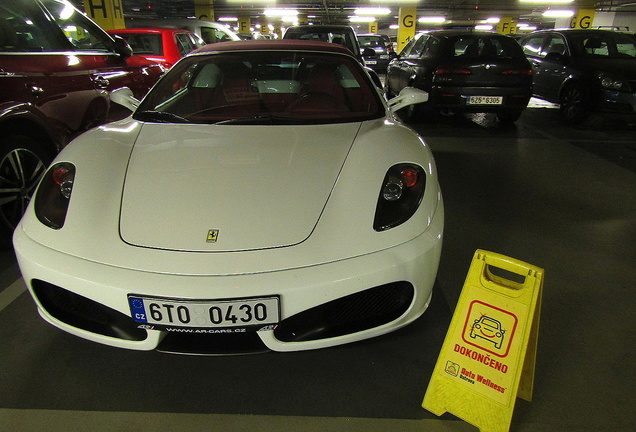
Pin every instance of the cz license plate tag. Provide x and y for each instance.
(257, 313)
(484, 100)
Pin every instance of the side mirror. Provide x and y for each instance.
(124, 97)
(122, 47)
(408, 96)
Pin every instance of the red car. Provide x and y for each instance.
(162, 45)
(56, 70)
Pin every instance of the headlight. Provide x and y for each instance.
(54, 194)
(400, 196)
(612, 82)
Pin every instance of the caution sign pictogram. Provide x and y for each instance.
(489, 354)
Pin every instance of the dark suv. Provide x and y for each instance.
(56, 68)
(584, 71)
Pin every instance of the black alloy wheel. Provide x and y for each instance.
(574, 104)
(22, 165)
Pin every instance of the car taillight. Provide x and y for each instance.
(452, 71)
(54, 194)
(522, 72)
(400, 196)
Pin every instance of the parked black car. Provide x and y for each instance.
(585, 71)
(335, 33)
(378, 60)
(56, 68)
(341, 34)
(464, 71)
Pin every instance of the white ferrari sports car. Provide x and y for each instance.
(262, 196)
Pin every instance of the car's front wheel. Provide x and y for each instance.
(23, 162)
(574, 104)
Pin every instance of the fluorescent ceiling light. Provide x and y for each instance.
(278, 12)
(361, 19)
(486, 27)
(431, 19)
(228, 19)
(553, 13)
(493, 20)
(547, 1)
(372, 11)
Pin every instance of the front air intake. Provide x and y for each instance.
(85, 314)
(353, 313)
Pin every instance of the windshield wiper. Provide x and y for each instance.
(159, 117)
(262, 119)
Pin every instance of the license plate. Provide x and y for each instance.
(241, 312)
(371, 62)
(484, 100)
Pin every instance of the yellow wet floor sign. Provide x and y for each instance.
(488, 357)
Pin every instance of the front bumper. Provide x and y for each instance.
(94, 303)
(618, 102)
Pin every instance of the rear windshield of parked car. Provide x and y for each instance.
(340, 37)
(255, 87)
(473, 46)
(371, 41)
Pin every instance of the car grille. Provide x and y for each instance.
(85, 314)
(353, 313)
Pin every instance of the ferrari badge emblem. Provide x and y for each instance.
(213, 235)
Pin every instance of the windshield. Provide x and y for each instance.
(371, 41)
(480, 46)
(256, 87)
(605, 45)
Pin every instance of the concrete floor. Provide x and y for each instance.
(560, 198)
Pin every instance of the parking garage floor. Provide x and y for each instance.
(561, 198)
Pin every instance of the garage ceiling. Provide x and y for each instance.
(457, 12)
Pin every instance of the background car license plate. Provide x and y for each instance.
(485, 100)
(205, 313)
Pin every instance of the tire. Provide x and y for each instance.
(574, 104)
(23, 162)
(509, 116)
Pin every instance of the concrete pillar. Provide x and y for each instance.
(407, 25)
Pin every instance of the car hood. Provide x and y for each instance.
(230, 188)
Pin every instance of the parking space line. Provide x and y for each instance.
(72, 421)
(11, 293)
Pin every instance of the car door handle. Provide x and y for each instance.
(34, 89)
(101, 82)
